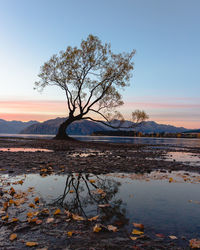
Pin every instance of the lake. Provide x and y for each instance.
(179, 142)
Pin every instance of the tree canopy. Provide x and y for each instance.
(92, 77)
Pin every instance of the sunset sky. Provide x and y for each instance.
(165, 35)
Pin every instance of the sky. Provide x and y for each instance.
(165, 35)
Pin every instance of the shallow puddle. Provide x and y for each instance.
(166, 203)
(184, 157)
(25, 150)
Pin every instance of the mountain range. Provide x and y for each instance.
(14, 127)
(82, 127)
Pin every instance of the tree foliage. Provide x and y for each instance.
(91, 77)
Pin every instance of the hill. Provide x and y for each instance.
(85, 127)
(14, 127)
(82, 127)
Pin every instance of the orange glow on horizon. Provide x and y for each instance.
(40, 110)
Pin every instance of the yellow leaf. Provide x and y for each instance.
(71, 191)
(30, 215)
(96, 228)
(11, 201)
(170, 179)
(94, 218)
(13, 237)
(112, 228)
(92, 181)
(138, 225)
(31, 205)
(20, 182)
(36, 199)
(77, 217)
(70, 233)
(57, 211)
(31, 243)
(5, 217)
(134, 238)
(135, 231)
(14, 219)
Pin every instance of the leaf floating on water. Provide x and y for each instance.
(112, 228)
(96, 228)
(137, 232)
(138, 225)
(58, 211)
(13, 237)
(172, 237)
(94, 218)
(195, 243)
(49, 220)
(92, 181)
(31, 244)
(77, 217)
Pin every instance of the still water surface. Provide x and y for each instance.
(180, 142)
(167, 203)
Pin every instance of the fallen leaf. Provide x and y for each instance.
(70, 233)
(96, 228)
(112, 228)
(94, 218)
(20, 182)
(58, 211)
(49, 220)
(77, 217)
(31, 244)
(13, 237)
(195, 243)
(134, 238)
(31, 205)
(160, 235)
(172, 237)
(71, 191)
(135, 231)
(38, 222)
(104, 205)
(5, 217)
(30, 215)
(170, 179)
(14, 220)
(36, 199)
(92, 181)
(138, 225)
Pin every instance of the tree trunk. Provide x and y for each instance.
(62, 134)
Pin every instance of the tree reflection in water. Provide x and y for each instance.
(83, 193)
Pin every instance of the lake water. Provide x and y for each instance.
(166, 203)
(179, 142)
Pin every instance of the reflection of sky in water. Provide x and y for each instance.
(25, 150)
(163, 207)
(184, 157)
(182, 142)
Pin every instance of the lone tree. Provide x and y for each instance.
(91, 77)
